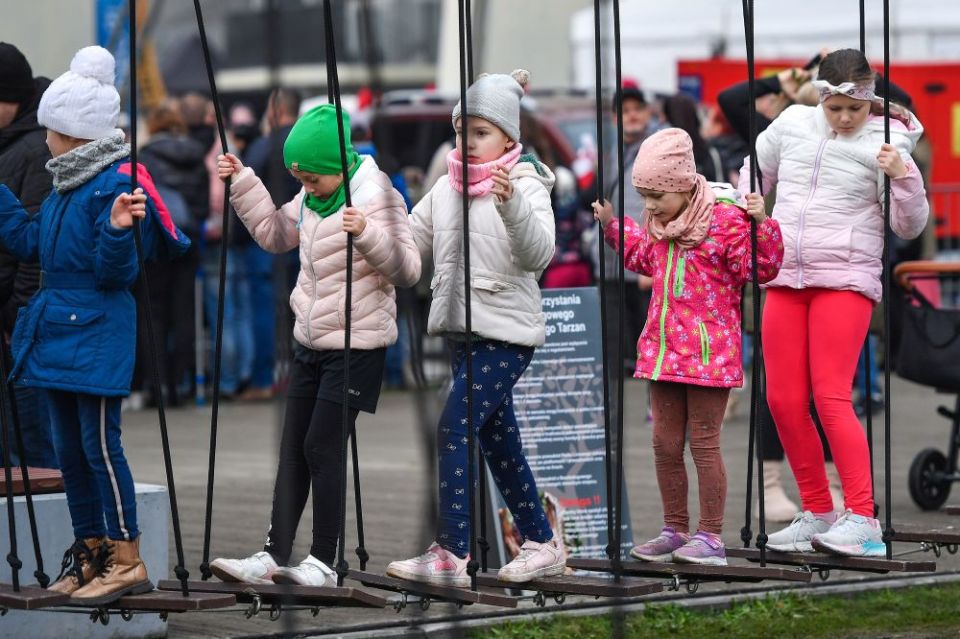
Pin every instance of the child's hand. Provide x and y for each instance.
(756, 208)
(603, 213)
(502, 188)
(228, 166)
(126, 207)
(353, 221)
(891, 162)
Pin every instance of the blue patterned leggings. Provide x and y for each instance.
(497, 366)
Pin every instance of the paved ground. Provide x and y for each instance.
(396, 489)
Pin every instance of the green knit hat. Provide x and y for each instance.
(314, 142)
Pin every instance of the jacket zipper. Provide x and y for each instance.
(313, 273)
(704, 344)
(679, 276)
(803, 210)
(663, 314)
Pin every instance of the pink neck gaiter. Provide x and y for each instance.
(479, 175)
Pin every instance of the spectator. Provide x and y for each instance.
(681, 111)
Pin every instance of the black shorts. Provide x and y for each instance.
(319, 375)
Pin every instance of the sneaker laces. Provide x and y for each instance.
(72, 563)
(527, 551)
(797, 524)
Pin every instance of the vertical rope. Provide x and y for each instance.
(218, 343)
(612, 552)
(888, 532)
(472, 564)
(179, 570)
(863, 27)
(12, 558)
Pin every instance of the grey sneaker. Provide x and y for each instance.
(797, 536)
(661, 547)
(853, 536)
(703, 548)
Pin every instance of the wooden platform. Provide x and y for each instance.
(440, 593)
(943, 535)
(168, 601)
(42, 480)
(693, 572)
(952, 510)
(282, 594)
(30, 598)
(834, 562)
(578, 585)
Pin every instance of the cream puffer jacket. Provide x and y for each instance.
(384, 256)
(510, 246)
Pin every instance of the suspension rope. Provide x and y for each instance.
(333, 88)
(221, 288)
(12, 558)
(888, 532)
(8, 398)
(755, 440)
(863, 27)
(621, 313)
(613, 553)
(472, 564)
(179, 570)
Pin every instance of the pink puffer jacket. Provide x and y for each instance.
(384, 256)
(692, 334)
(830, 198)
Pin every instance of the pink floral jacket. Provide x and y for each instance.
(692, 334)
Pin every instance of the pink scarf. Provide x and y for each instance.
(479, 175)
(690, 227)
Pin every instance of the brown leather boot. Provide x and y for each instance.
(79, 565)
(122, 573)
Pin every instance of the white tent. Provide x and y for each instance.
(656, 33)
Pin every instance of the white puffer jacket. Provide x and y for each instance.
(510, 246)
(384, 256)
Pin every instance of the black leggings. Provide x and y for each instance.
(310, 456)
(772, 450)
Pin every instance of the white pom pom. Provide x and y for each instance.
(522, 76)
(96, 63)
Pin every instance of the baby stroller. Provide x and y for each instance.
(929, 354)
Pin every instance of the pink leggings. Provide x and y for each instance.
(811, 341)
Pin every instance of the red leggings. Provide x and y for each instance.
(811, 341)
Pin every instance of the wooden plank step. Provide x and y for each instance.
(579, 585)
(834, 562)
(943, 535)
(30, 598)
(42, 480)
(952, 510)
(443, 593)
(729, 573)
(169, 601)
(284, 594)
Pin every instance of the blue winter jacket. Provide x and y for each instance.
(78, 333)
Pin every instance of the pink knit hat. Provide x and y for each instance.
(665, 162)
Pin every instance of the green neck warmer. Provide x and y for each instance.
(329, 206)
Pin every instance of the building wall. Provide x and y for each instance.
(46, 34)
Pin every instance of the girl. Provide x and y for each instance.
(76, 338)
(828, 163)
(385, 256)
(511, 241)
(696, 247)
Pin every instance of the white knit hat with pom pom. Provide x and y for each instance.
(496, 98)
(83, 103)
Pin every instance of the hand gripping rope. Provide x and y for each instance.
(179, 570)
(613, 553)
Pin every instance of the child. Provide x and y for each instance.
(76, 338)
(511, 243)
(316, 220)
(828, 163)
(696, 247)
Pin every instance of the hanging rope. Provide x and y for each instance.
(863, 27)
(221, 289)
(755, 439)
(333, 88)
(8, 398)
(621, 312)
(12, 558)
(613, 553)
(179, 570)
(472, 564)
(888, 532)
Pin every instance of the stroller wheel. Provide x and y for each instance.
(928, 488)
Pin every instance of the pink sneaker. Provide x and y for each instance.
(436, 566)
(535, 560)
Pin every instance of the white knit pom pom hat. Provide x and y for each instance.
(83, 103)
(496, 98)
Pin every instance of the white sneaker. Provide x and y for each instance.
(796, 537)
(853, 536)
(310, 572)
(535, 560)
(255, 569)
(436, 566)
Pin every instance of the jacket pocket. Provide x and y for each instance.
(704, 344)
(69, 336)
